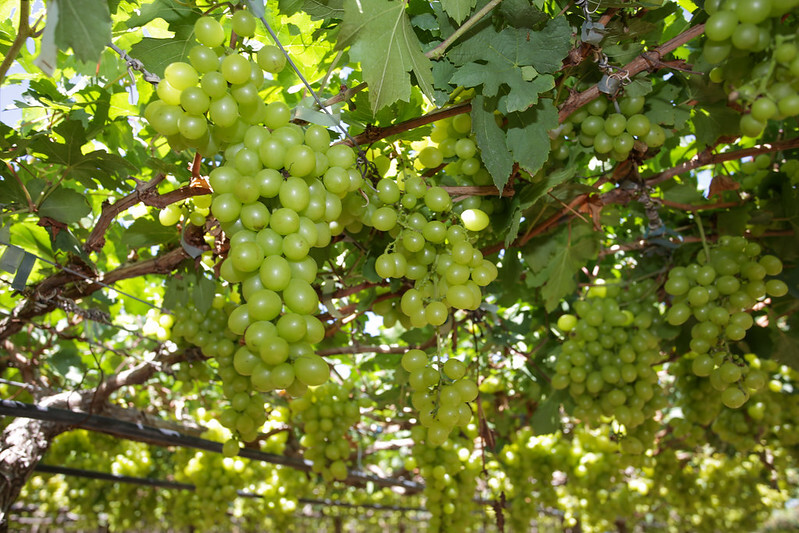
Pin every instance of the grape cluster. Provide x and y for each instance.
(216, 480)
(450, 472)
(606, 361)
(196, 210)
(611, 133)
(754, 171)
(208, 332)
(442, 393)
(719, 291)
(326, 415)
(436, 254)
(121, 506)
(275, 195)
(768, 415)
(217, 85)
(757, 57)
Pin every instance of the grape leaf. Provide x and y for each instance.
(203, 293)
(89, 169)
(156, 54)
(712, 122)
(380, 36)
(555, 259)
(543, 50)
(169, 10)
(458, 9)
(84, 26)
(491, 139)
(148, 232)
(521, 13)
(528, 137)
(491, 59)
(65, 205)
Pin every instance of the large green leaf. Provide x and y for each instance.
(491, 140)
(528, 134)
(458, 9)
(157, 54)
(555, 259)
(382, 39)
(84, 26)
(65, 205)
(169, 10)
(491, 59)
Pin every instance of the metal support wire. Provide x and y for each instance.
(166, 437)
(175, 485)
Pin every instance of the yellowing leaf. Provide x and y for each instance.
(382, 39)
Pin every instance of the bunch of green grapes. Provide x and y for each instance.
(433, 246)
(758, 57)
(430, 249)
(275, 195)
(204, 330)
(754, 171)
(442, 393)
(450, 472)
(273, 221)
(612, 134)
(527, 464)
(195, 209)
(737, 486)
(326, 415)
(769, 415)
(208, 103)
(606, 360)
(719, 292)
(216, 480)
(702, 406)
(193, 371)
(123, 506)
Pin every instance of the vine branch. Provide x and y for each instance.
(22, 35)
(146, 193)
(374, 134)
(639, 64)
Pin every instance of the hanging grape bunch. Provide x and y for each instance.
(718, 292)
(326, 414)
(606, 360)
(611, 133)
(276, 194)
(757, 58)
(442, 393)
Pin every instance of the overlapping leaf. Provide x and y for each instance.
(382, 39)
(492, 59)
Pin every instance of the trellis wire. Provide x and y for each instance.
(175, 485)
(93, 280)
(166, 437)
